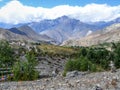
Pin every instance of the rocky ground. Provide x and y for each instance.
(48, 64)
(73, 81)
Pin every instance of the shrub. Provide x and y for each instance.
(24, 71)
(31, 58)
(7, 57)
(81, 64)
(69, 65)
(64, 73)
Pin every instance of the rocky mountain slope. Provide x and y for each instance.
(102, 24)
(63, 28)
(109, 34)
(22, 33)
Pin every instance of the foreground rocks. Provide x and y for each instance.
(73, 81)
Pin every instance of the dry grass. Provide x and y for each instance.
(57, 49)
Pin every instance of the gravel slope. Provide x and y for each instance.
(73, 81)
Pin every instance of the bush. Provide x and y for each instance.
(7, 57)
(69, 65)
(24, 71)
(116, 51)
(31, 58)
(81, 64)
(64, 73)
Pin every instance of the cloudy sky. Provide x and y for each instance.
(24, 11)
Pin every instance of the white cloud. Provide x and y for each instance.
(15, 12)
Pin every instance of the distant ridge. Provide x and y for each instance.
(22, 33)
(58, 30)
(109, 34)
(63, 28)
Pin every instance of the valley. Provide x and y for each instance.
(62, 53)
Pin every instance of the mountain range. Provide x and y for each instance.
(22, 33)
(108, 34)
(59, 30)
(65, 28)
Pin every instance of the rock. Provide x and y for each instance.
(78, 81)
(98, 87)
(70, 85)
(74, 74)
(114, 82)
(54, 73)
(52, 86)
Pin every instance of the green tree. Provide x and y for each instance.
(24, 71)
(7, 57)
(80, 64)
(83, 51)
(116, 52)
(31, 58)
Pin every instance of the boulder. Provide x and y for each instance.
(74, 74)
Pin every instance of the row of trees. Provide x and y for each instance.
(94, 58)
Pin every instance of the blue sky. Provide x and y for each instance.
(53, 3)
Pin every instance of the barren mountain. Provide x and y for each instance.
(60, 29)
(22, 33)
(109, 34)
(63, 28)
